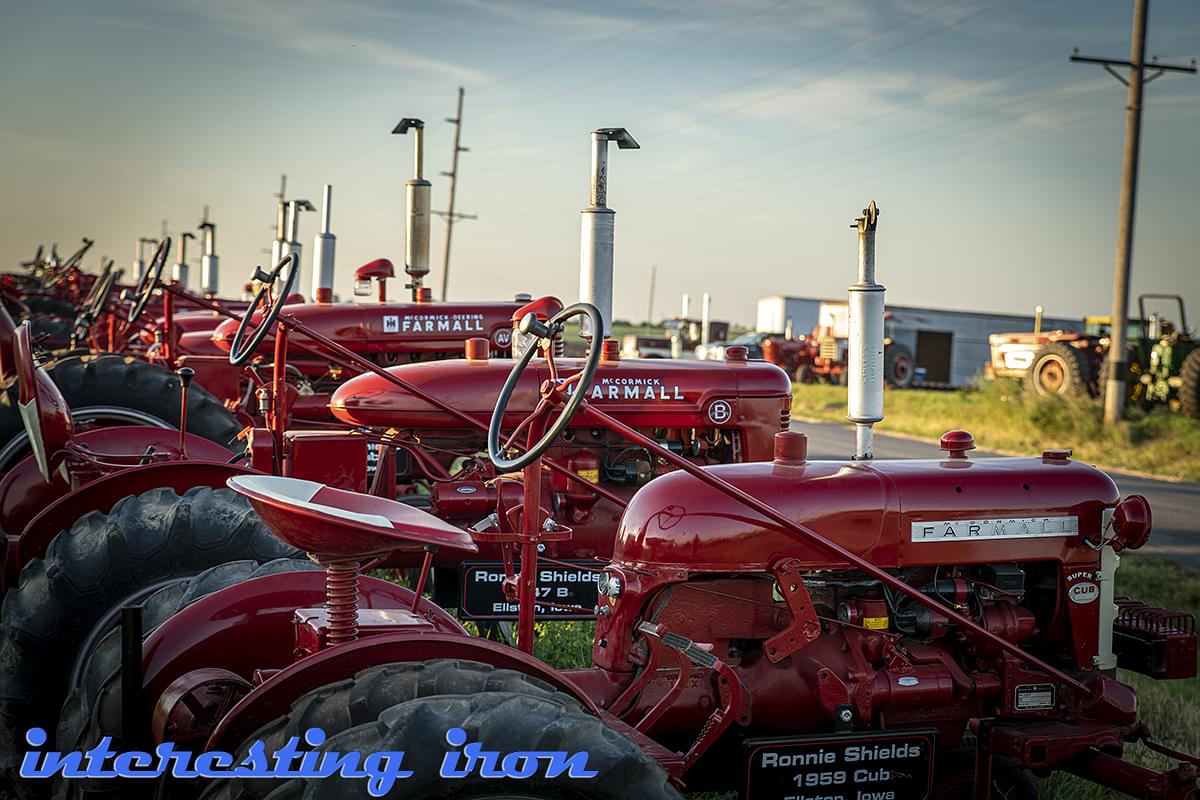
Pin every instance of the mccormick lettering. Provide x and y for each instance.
(624, 388)
(441, 323)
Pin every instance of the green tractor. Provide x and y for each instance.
(1164, 360)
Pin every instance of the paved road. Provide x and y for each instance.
(1176, 506)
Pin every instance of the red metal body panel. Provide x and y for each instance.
(643, 393)
(381, 328)
(275, 696)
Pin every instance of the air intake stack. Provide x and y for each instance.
(291, 244)
(208, 260)
(596, 239)
(865, 405)
(179, 272)
(324, 245)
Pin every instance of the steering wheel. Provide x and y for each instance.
(51, 280)
(551, 391)
(149, 281)
(239, 354)
(94, 304)
(44, 411)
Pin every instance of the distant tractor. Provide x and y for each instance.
(1164, 360)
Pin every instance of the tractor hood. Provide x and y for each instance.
(645, 393)
(370, 328)
(897, 513)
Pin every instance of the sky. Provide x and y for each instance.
(765, 127)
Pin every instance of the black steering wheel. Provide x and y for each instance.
(551, 390)
(95, 302)
(149, 281)
(51, 279)
(239, 354)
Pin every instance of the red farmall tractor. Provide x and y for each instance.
(788, 628)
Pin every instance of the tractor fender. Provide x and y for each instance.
(101, 495)
(274, 697)
(250, 626)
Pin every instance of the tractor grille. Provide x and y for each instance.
(1154, 641)
(785, 417)
(829, 348)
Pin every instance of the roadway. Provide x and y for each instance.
(1175, 506)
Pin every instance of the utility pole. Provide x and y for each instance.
(650, 302)
(449, 214)
(1118, 365)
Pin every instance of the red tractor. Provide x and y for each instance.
(845, 628)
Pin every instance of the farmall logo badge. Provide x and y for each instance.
(627, 388)
(391, 323)
(965, 530)
(435, 323)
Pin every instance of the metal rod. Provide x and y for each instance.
(132, 716)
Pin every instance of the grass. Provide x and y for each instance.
(1002, 416)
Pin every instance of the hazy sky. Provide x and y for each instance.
(765, 126)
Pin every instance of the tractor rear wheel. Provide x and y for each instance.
(898, 365)
(1189, 391)
(111, 389)
(1058, 369)
(361, 699)
(504, 722)
(804, 374)
(93, 709)
(101, 560)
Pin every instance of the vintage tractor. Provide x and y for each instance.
(1161, 366)
(792, 628)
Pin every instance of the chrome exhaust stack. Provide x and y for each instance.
(324, 246)
(139, 257)
(179, 272)
(418, 193)
(596, 238)
(865, 352)
(291, 243)
(208, 260)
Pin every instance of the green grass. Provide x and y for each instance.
(1002, 416)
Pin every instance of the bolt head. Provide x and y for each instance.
(845, 715)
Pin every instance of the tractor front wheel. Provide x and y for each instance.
(1189, 391)
(1058, 369)
(804, 374)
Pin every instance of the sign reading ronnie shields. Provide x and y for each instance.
(846, 766)
(962, 530)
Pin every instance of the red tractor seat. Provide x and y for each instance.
(339, 524)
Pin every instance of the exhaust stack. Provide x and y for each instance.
(208, 261)
(865, 356)
(139, 257)
(292, 243)
(418, 192)
(179, 272)
(277, 246)
(596, 239)
(323, 253)
(706, 318)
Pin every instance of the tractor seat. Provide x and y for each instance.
(336, 524)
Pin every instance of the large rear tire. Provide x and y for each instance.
(111, 389)
(102, 559)
(93, 709)
(1058, 369)
(504, 722)
(361, 699)
(1189, 392)
(899, 366)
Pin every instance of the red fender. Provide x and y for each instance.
(101, 495)
(273, 698)
(250, 626)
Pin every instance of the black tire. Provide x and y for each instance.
(954, 778)
(1189, 392)
(803, 374)
(133, 392)
(1059, 369)
(93, 709)
(51, 305)
(51, 332)
(498, 721)
(361, 699)
(899, 366)
(102, 559)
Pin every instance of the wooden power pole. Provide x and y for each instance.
(1117, 360)
(449, 214)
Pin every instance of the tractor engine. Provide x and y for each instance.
(710, 412)
(1026, 548)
